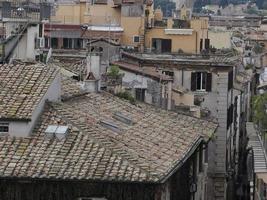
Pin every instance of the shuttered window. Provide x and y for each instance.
(230, 80)
(230, 115)
(207, 43)
(201, 81)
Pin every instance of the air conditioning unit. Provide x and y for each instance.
(41, 42)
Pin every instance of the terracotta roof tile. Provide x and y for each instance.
(145, 151)
(152, 146)
(22, 87)
(75, 157)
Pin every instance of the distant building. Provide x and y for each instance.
(134, 25)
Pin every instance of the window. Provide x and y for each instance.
(230, 115)
(4, 128)
(207, 43)
(200, 159)
(136, 39)
(140, 94)
(54, 43)
(201, 81)
(161, 45)
(201, 44)
(78, 43)
(230, 80)
(67, 43)
(168, 73)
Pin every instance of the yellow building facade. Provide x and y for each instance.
(143, 27)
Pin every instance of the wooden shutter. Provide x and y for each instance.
(201, 44)
(207, 43)
(230, 80)
(193, 81)
(209, 82)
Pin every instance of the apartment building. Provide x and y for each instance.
(133, 24)
(222, 91)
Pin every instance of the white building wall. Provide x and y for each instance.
(24, 129)
(25, 49)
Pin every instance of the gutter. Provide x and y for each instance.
(181, 162)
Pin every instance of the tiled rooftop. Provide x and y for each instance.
(74, 65)
(146, 71)
(22, 87)
(69, 88)
(76, 157)
(98, 146)
(155, 142)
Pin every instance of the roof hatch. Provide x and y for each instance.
(123, 118)
(57, 131)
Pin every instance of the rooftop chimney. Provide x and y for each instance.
(91, 82)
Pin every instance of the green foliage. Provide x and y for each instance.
(252, 11)
(259, 110)
(126, 95)
(258, 48)
(114, 71)
(249, 66)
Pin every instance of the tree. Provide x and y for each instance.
(259, 109)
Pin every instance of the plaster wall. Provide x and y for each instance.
(220, 39)
(188, 43)
(24, 129)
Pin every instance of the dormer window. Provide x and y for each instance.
(4, 128)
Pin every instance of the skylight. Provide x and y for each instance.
(56, 130)
(123, 118)
(110, 125)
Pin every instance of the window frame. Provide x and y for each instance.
(4, 125)
(202, 89)
(202, 85)
(136, 36)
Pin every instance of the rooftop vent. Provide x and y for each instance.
(110, 126)
(122, 118)
(57, 131)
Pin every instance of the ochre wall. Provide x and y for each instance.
(67, 14)
(185, 42)
(85, 13)
(132, 27)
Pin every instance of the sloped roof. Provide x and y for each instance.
(146, 151)
(70, 88)
(145, 71)
(22, 87)
(74, 65)
(76, 157)
(156, 142)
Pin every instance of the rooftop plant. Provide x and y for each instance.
(259, 103)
